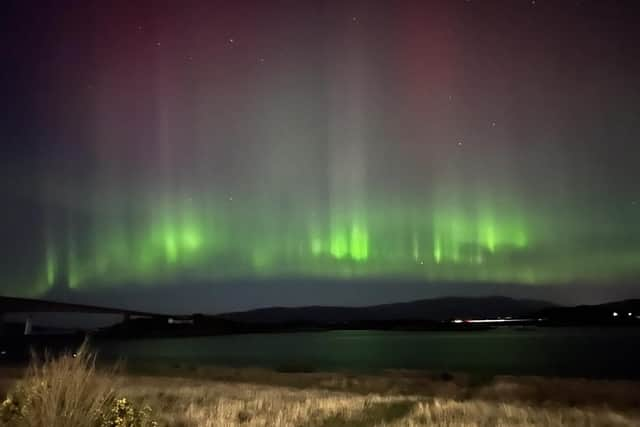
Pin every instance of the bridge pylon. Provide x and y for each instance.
(28, 325)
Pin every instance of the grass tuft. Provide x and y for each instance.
(67, 391)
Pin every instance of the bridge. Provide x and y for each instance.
(28, 306)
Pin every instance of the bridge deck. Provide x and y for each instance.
(26, 305)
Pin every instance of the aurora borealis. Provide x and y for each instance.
(155, 143)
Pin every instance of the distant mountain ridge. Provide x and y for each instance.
(616, 311)
(436, 309)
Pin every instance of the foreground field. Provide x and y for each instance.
(184, 403)
(69, 392)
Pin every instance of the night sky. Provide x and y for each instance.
(215, 155)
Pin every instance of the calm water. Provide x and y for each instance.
(585, 352)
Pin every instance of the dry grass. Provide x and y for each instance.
(190, 403)
(562, 392)
(389, 382)
(69, 392)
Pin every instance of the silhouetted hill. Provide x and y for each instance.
(614, 312)
(428, 309)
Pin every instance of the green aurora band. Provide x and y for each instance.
(221, 238)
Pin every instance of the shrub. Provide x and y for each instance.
(124, 413)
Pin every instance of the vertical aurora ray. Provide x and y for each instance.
(50, 259)
(347, 152)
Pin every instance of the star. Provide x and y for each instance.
(231, 40)
(354, 19)
(460, 143)
(157, 44)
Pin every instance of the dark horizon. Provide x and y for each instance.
(221, 297)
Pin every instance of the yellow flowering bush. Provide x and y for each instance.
(124, 414)
(15, 406)
(9, 409)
